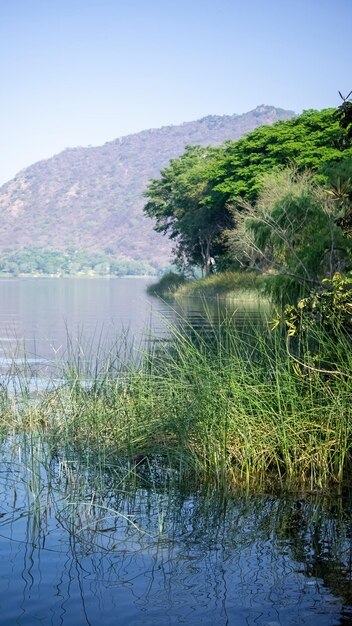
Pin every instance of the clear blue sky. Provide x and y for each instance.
(80, 72)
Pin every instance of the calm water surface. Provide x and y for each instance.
(107, 543)
(42, 313)
(88, 539)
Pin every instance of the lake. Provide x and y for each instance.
(86, 538)
(40, 314)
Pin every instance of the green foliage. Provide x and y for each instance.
(229, 283)
(185, 207)
(279, 233)
(344, 117)
(191, 200)
(167, 285)
(228, 409)
(339, 186)
(329, 306)
(308, 141)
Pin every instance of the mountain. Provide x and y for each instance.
(91, 198)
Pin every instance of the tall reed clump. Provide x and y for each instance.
(232, 406)
(248, 411)
(232, 283)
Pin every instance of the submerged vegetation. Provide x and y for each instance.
(76, 516)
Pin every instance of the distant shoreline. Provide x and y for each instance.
(4, 276)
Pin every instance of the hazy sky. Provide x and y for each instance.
(80, 72)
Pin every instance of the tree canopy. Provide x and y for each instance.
(291, 229)
(198, 197)
(187, 207)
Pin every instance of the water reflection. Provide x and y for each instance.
(85, 539)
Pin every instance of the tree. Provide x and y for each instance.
(339, 186)
(308, 141)
(343, 115)
(191, 200)
(185, 207)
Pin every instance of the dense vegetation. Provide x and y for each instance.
(227, 409)
(236, 405)
(276, 207)
(259, 203)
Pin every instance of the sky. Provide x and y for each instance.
(84, 72)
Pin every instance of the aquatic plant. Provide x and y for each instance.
(233, 407)
(224, 283)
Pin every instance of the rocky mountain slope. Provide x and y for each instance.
(91, 198)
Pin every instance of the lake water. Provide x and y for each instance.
(86, 539)
(40, 314)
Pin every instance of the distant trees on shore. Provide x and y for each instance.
(35, 261)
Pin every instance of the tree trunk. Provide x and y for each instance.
(208, 261)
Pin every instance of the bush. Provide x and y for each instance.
(167, 285)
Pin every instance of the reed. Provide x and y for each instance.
(232, 408)
(167, 285)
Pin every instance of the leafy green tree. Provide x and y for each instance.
(187, 208)
(330, 306)
(339, 186)
(343, 115)
(309, 141)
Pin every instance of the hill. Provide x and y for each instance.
(91, 198)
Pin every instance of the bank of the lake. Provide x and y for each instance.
(230, 283)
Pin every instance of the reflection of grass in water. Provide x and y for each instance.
(230, 408)
(102, 507)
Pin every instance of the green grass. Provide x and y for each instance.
(223, 283)
(231, 409)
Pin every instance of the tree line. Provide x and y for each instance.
(45, 262)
